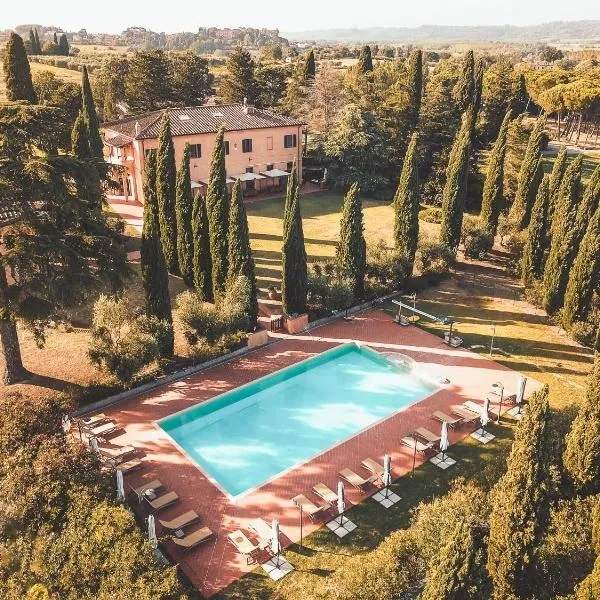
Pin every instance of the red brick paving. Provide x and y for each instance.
(216, 564)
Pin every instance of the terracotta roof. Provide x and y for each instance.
(118, 141)
(200, 119)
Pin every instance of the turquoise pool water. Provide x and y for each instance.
(248, 436)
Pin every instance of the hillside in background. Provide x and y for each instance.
(547, 32)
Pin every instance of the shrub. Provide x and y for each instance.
(433, 259)
(328, 289)
(583, 332)
(535, 292)
(386, 269)
(477, 240)
(124, 342)
(431, 215)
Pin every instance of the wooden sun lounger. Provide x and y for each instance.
(163, 501)
(155, 484)
(115, 452)
(193, 539)
(473, 406)
(92, 421)
(128, 466)
(427, 435)
(243, 545)
(309, 507)
(100, 430)
(356, 480)
(181, 521)
(263, 531)
(468, 416)
(373, 467)
(443, 417)
(325, 493)
(413, 443)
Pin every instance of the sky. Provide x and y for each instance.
(186, 15)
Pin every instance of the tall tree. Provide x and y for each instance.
(351, 248)
(406, 206)
(32, 43)
(60, 248)
(80, 140)
(582, 450)
(238, 82)
(521, 96)
(17, 73)
(455, 190)
(63, 45)
(191, 80)
(533, 260)
(464, 90)
(493, 188)
(587, 207)
(217, 210)
(166, 175)
(310, 68)
(148, 82)
(563, 231)
(38, 45)
(294, 285)
(451, 573)
(478, 88)
(558, 171)
(155, 277)
(519, 504)
(415, 87)
(183, 218)
(202, 261)
(91, 115)
(365, 60)
(584, 278)
(90, 186)
(240, 261)
(529, 178)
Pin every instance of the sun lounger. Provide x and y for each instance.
(128, 466)
(414, 444)
(468, 416)
(243, 545)
(193, 539)
(162, 501)
(183, 520)
(100, 430)
(473, 406)
(356, 480)
(373, 467)
(427, 435)
(308, 507)
(262, 529)
(453, 341)
(325, 493)
(92, 421)
(153, 485)
(443, 417)
(115, 452)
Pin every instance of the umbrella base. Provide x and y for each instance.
(443, 461)
(515, 413)
(483, 436)
(277, 568)
(341, 527)
(391, 499)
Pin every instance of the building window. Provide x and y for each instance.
(289, 167)
(226, 147)
(269, 167)
(289, 141)
(269, 143)
(247, 145)
(249, 169)
(195, 150)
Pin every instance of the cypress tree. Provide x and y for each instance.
(519, 505)
(478, 88)
(406, 206)
(32, 42)
(415, 87)
(584, 278)
(63, 45)
(588, 206)
(183, 215)
(80, 141)
(563, 232)
(240, 261)
(464, 91)
(520, 97)
(17, 73)
(450, 575)
(310, 68)
(493, 188)
(55, 38)
(38, 44)
(89, 185)
(294, 285)
(365, 60)
(155, 277)
(532, 262)
(202, 262)
(582, 450)
(91, 115)
(558, 172)
(455, 189)
(217, 210)
(166, 174)
(351, 250)
(530, 176)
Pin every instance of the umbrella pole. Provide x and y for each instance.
(414, 458)
(500, 408)
(300, 526)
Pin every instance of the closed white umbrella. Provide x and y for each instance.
(387, 472)
(120, 486)
(275, 547)
(341, 505)
(444, 443)
(484, 417)
(521, 391)
(94, 445)
(66, 423)
(152, 531)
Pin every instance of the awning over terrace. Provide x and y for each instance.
(249, 177)
(205, 181)
(274, 173)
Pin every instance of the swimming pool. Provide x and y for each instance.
(248, 436)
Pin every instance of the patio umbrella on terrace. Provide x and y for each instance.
(275, 546)
(387, 473)
(120, 486)
(152, 531)
(66, 423)
(444, 443)
(521, 391)
(94, 445)
(484, 417)
(341, 505)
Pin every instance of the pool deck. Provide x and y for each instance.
(216, 564)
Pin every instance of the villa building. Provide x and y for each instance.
(260, 146)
